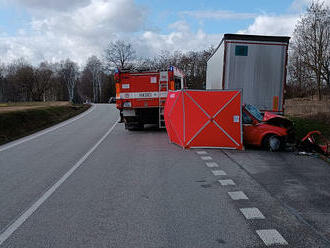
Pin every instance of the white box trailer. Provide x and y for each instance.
(256, 64)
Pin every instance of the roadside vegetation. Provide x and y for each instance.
(309, 115)
(19, 123)
(304, 125)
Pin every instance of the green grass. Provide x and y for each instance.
(14, 104)
(304, 125)
(17, 124)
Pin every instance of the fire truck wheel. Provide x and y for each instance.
(134, 126)
(129, 126)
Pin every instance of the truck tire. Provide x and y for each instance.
(129, 126)
(134, 126)
(272, 143)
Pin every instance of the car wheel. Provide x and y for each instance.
(272, 143)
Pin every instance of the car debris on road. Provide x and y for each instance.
(314, 142)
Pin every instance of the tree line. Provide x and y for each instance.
(66, 81)
(63, 81)
(308, 67)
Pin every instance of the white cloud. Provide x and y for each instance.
(75, 34)
(85, 31)
(218, 14)
(180, 26)
(272, 25)
(181, 38)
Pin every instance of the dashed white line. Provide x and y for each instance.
(226, 182)
(237, 195)
(206, 158)
(271, 237)
(219, 173)
(22, 218)
(201, 152)
(252, 213)
(212, 164)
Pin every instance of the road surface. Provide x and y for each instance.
(90, 183)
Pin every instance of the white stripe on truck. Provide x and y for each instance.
(142, 95)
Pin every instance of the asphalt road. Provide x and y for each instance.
(91, 183)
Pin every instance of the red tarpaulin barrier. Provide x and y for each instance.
(196, 118)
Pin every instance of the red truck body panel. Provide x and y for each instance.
(142, 89)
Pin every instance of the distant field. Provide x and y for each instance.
(306, 107)
(9, 107)
(18, 120)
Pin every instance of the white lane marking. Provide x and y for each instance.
(271, 237)
(238, 195)
(212, 164)
(201, 152)
(38, 134)
(226, 182)
(22, 218)
(219, 173)
(252, 213)
(206, 158)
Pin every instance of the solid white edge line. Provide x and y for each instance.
(23, 217)
(50, 129)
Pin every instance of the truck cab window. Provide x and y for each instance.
(177, 83)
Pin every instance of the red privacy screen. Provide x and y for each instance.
(211, 119)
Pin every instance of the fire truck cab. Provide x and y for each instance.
(141, 95)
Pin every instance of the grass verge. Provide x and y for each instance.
(17, 124)
(32, 104)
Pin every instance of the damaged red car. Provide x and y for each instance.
(273, 132)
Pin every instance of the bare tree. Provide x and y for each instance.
(312, 43)
(69, 73)
(2, 82)
(301, 81)
(24, 81)
(42, 77)
(94, 67)
(119, 54)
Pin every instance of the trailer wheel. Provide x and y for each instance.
(272, 143)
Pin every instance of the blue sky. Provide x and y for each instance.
(167, 12)
(11, 19)
(53, 30)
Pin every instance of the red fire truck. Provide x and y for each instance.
(141, 95)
